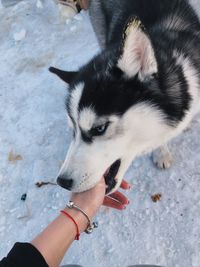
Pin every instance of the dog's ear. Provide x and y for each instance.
(137, 52)
(66, 76)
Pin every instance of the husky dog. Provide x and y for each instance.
(141, 91)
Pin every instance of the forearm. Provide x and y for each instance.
(55, 240)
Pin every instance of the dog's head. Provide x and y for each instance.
(110, 110)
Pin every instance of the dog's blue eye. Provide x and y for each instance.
(100, 130)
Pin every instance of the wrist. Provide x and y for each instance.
(80, 219)
(89, 209)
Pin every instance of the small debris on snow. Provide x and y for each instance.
(12, 157)
(19, 36)
(23, 197)
(40, 184)
(157, 197)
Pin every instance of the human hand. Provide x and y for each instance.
(91, 200)
(117, 200)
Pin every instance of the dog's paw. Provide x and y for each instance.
(162, 158)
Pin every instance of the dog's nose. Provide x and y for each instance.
(64, 182)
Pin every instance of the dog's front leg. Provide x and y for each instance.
(98, 21)
(162, 157)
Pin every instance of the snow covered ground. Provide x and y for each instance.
(34, 138)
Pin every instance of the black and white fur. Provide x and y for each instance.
(141, 91)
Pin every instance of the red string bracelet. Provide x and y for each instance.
(72, 219)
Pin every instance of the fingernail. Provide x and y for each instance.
(128, 202)
(124, 207)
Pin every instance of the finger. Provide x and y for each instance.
(111, 203)
(125, 185)
(120, 197)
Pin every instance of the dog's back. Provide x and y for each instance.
(110, 16)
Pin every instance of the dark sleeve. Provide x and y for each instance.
(23, 255)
